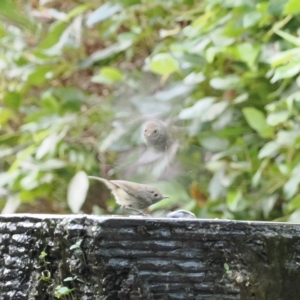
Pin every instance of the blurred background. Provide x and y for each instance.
(78, 80)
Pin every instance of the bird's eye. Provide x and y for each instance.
(155, 195)
(155, 131)
(145, 130)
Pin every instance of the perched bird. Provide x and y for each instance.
(131, 196)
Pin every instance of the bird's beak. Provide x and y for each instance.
(166, 197)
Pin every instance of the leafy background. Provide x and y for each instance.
(77, 79)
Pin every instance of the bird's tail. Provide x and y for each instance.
(105, 181)
(97, 178)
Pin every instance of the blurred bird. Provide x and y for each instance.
(131, 196)
(157, 134)
(162, 147)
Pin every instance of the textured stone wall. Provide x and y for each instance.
(84, 257)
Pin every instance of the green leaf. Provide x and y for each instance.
(216, 188)
(227, 83)
(268, 204)
(77, 11)
(289, 70)
(176, 91)
(285, 57)
(287, 137)
(276, 7)
(70, 278)
(214, 143)
(235, 201)
(30, 195)
(215, 111)
(194, 78)
(53, 35)
(62, 291)
(77, 191)
(108, 75)
(219, 39)
(112, 74)
(11, 205)
(226, 267)
(294, 217)
(277, 118)
(47, 146)
(22, 155)
(164, 64)
(46, 275)
(270, 149)
(29, 182)
(256, 179)
(241, 165)
(105, 53)
(6, 114)
(288, 37)
(212, 52)
(251, 18)
(246, 52)
(38, 76)
(241, 98)
(102, 13)
(292, 7)
(77, 245)
(50, 164)
(293, 204)
(291, 187)
(2, 31)
(12, 12)
(12, 100)
(257, 121)
(43, 255)
(197, 110)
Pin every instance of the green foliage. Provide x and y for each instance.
(75, 85)
(62, 291)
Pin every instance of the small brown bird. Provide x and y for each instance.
(132, 196)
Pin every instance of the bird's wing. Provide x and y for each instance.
(120, 193)
(131, 188)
